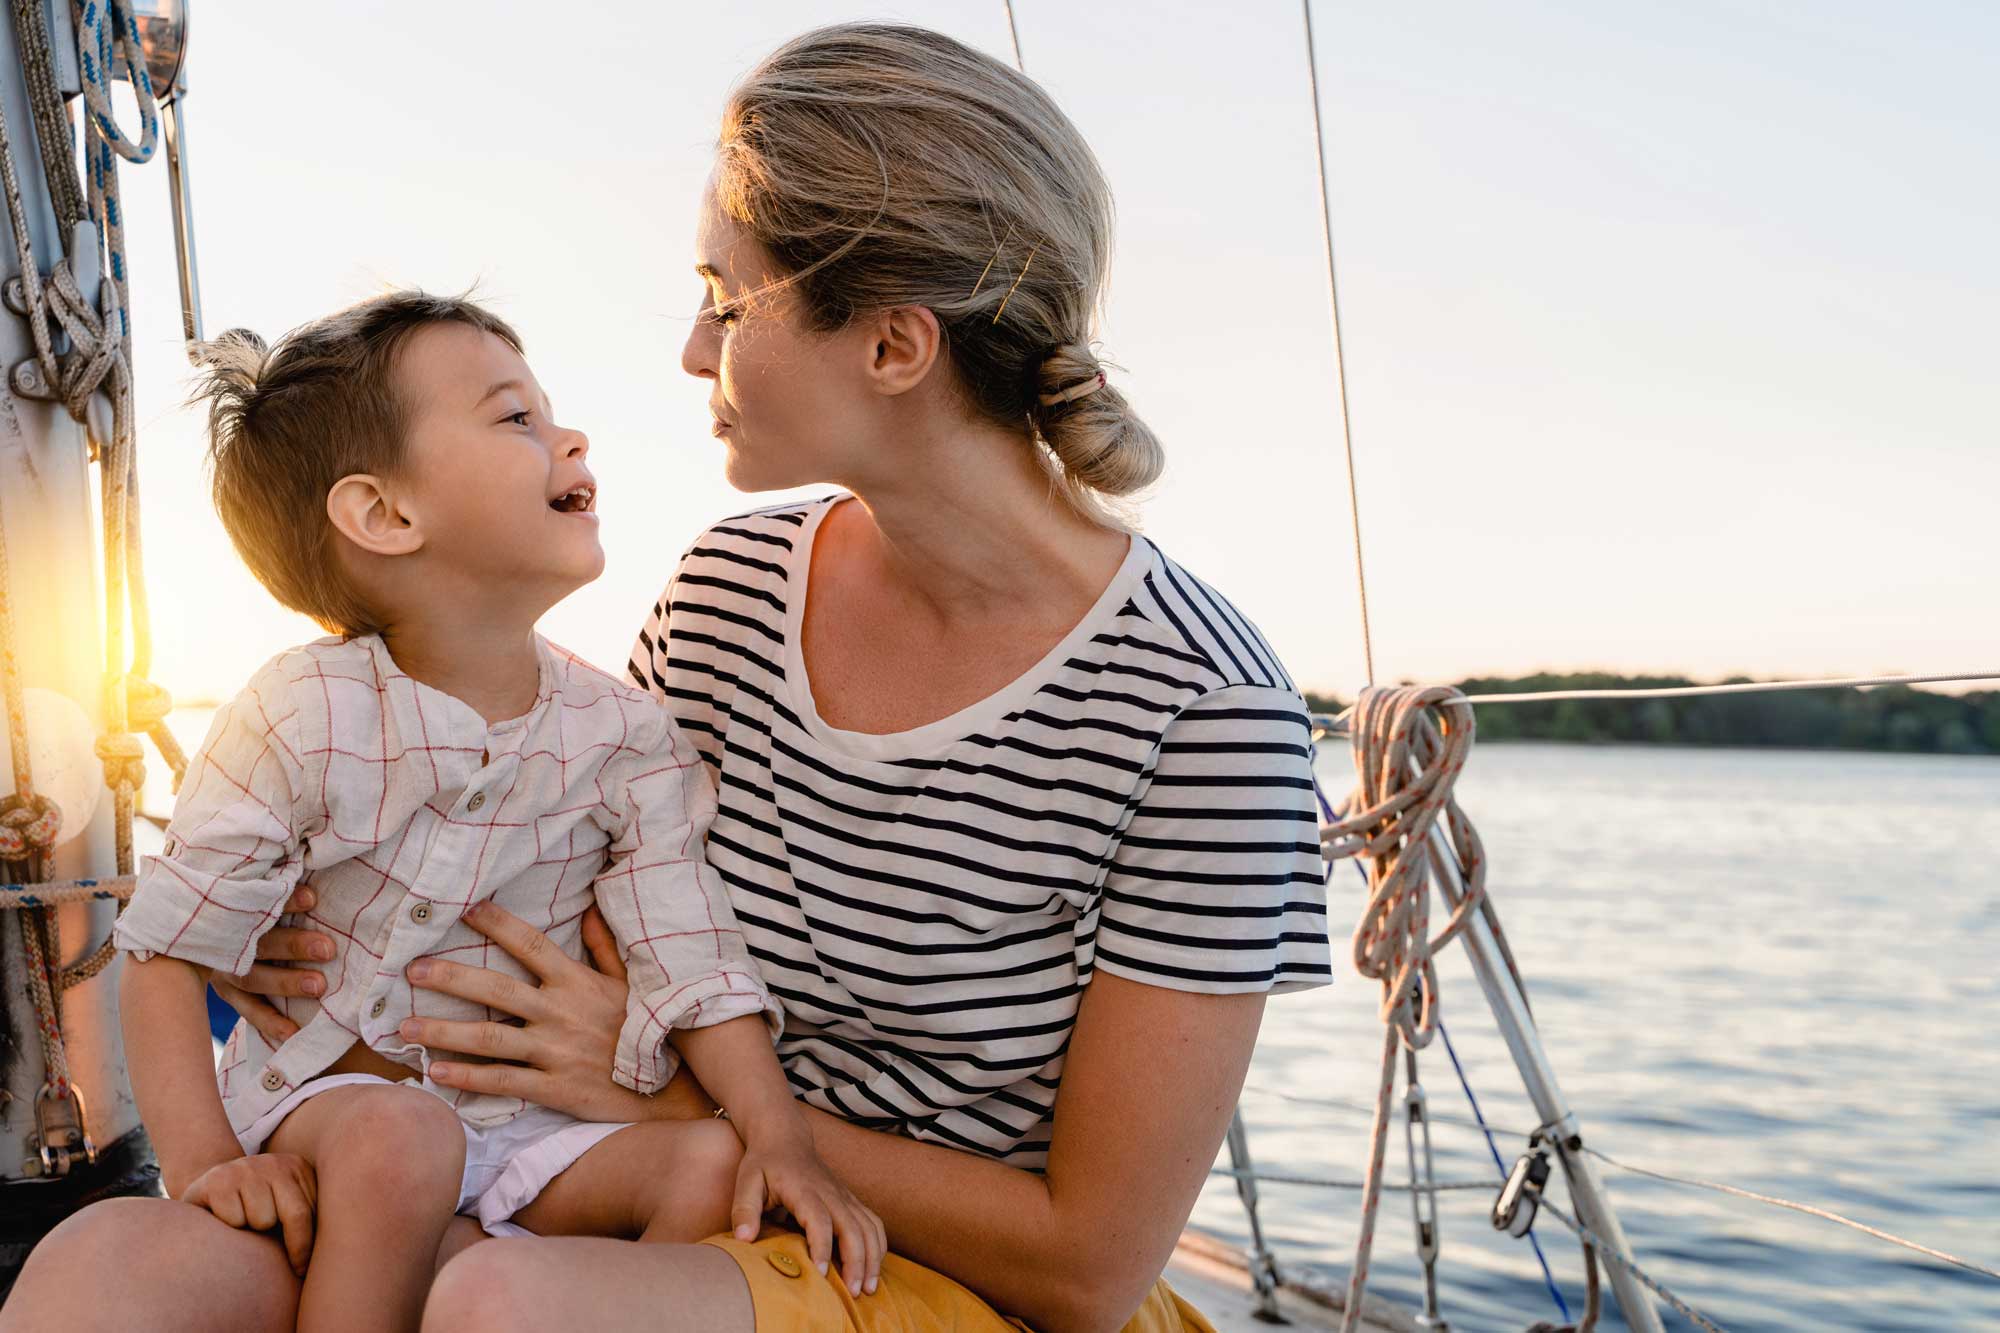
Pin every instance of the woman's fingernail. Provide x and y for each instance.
(870, 1285)
(443, 1073)
(746, 1233)
(307, 898)
(822, 1269)
(313, 985)
(407, 1028)
(420, 969)
(322, 949)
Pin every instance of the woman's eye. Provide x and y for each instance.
(724, 314)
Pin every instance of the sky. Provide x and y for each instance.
(1669, 329)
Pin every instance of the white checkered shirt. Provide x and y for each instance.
(405, 808)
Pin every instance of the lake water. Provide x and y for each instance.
(1772, 969)
(1776, 969)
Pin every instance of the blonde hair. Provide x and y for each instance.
(286, 423)
(884, 165)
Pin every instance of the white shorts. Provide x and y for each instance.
(506, 1165)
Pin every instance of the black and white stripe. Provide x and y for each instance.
(928, 908)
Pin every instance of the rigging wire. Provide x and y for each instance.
(1339, 352)
(1014, 33)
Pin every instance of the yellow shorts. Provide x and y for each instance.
(789, 1294)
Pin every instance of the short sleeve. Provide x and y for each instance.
(1217, 883)
(234, 851)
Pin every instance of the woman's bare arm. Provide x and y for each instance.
(1148, 1086)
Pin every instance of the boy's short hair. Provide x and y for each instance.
(286, 423)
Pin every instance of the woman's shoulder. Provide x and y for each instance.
(1195, 634)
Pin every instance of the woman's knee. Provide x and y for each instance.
(491, 1287)
(150, 1263)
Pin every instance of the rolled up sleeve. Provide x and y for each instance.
(233, 852)
(684, 954)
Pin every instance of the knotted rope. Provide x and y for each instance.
(1410, 744)
(98, 361)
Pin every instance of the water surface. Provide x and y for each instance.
(1770, 968)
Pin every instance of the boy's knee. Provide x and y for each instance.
(696, 1183)
(402, 1140)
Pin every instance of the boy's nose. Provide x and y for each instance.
(575, 444)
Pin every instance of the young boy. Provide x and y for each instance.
(393, 471)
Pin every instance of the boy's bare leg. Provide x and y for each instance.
(667, 1180)
(389, 1160)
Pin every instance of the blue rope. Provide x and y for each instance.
(1326, 810)
(1501, 1167)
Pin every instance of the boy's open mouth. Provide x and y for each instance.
(578, 500)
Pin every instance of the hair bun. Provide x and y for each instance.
(1092, 432)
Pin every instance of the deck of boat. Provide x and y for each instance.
(1215, 1279)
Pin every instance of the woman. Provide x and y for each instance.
(1015, 813)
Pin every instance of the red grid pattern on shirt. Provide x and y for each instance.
(335, 764)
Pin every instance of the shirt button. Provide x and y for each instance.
(420, 913)
(478, 799)
(784, 1263)
(272, 1080)
(375, 1010)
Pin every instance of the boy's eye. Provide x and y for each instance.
(518, 418)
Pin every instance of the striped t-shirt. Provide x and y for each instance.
(929, 905)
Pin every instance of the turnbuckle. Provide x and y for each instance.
(59, 1136)
(1423, 1189)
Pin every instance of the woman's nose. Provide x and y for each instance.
(698, 353)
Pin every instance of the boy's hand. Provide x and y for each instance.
(785, 1171)
(264, 1192)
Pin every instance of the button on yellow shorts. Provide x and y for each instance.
(789, 1294)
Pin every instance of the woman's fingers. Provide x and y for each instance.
(530, 947)
(602, 945)
(303, 899)
(496, 989)
(277, 979)
(287, 944)
(530, 1085)
(746, 1212)
(271, 1025)
(498, 1041)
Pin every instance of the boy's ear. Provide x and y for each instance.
(365, 511)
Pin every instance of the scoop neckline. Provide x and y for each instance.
(967, 721)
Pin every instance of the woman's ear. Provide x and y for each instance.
(904, 342)
(365, 512)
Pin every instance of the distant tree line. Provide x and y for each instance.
(1888, 718)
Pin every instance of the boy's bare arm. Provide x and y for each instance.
(172, 1064)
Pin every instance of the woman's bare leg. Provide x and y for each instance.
(154, 1264)
(531, 1286)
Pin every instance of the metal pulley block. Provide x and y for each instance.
(59, 1137)
(1521, 1197)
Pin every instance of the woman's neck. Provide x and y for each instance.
(983, 530)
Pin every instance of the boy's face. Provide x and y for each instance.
(499, 490)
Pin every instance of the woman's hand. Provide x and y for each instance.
(560, 1054)
(280, 945)
(785, 1171)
